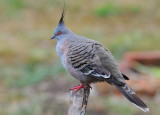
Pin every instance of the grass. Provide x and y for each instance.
(149, 70)
(11, 8)
(134, 41)
(29, 74)
(112, 9)
(115, 106)
(107, 9)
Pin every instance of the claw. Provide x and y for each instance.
(76, 88)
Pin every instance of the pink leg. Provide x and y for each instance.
(76, 88)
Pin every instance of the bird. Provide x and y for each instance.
(89, 61)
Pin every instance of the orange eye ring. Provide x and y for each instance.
(59, 33)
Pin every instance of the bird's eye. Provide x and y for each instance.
(59, 33)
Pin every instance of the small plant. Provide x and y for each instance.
(107, 9)
(113, 9)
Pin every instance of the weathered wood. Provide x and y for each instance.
(78, 101)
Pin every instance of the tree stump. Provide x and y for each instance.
(78, 101)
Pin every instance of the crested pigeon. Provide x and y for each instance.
(89, 62)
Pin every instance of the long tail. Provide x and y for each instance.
(131, 96)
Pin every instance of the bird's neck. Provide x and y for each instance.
(64, 43)
(61, 47)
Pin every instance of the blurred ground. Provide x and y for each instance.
(32, 80)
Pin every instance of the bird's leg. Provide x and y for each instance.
(76, 88)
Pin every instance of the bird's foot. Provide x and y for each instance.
(76, 88)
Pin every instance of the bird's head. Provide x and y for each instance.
(61, 30)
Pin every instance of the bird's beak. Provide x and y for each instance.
(53, 37)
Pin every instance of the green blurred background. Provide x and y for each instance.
(32, 79)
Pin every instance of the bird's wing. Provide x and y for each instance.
(108, 62)
(86, 58)
(83, 58)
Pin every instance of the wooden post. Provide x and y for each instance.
(78, 101)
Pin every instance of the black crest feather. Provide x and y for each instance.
(61, 21)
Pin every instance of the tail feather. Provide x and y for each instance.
(131, 96)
